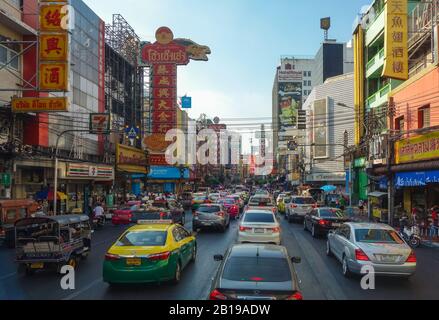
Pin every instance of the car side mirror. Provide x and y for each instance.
(218, 257)
(296, 260)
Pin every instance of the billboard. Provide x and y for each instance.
(290, 102)
(320, 129)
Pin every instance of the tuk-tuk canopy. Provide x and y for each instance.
(61, 220)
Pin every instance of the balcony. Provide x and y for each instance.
(374, 66)
(375, 29)
(379, 97)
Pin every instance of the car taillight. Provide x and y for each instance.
(412, 258)
(216, 295)
(294, 206)
(361, 256)
(220, 214)
(275, 230)
(159, 256)
(241, 228)
(235, 208)
(111, 257)
(257, 279)
(323, 222)
(296, 296)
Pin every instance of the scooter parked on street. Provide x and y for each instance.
(409, 234)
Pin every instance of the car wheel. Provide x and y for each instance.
(328, 249)
(345, 267)
(177, 274)
(313, 231)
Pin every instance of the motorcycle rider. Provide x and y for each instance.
(98, 212)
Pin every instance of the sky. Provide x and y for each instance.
(247, 39)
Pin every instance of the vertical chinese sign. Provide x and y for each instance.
(53, 46)
(396, 40)
(163, 57)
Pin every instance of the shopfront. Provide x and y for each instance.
(167, 179)
(84, 183)
(132, 168)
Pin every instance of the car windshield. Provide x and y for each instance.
(328, 213)
(259, 217)
(142, 239)
(377, 236)
(262, 202)
(211, 209)
(200, 198)
(257, 269)
(303, 200)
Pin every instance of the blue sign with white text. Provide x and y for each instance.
(416, 179)
(167, 173)
(186, 102)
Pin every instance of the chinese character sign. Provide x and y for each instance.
(53, 47)
(53, 76)
(396, 40)
(53, 18)
(163, 57)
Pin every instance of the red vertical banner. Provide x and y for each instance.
(164, 95)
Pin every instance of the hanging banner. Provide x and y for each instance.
(396, 64)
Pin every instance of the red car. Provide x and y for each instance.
(231, 206)
(123, 215)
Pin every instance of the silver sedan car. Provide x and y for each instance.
(375, 245)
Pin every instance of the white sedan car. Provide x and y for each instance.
(259, 226)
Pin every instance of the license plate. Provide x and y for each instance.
(38, 265)
(134, 262)
(336, 225)
(387, 258)
(259, 231)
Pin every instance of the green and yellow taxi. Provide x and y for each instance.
(150, 252)
(198, 200)
(281, 204)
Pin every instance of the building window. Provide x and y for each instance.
(304, 73)
(304, 83)
(424, 117)
(399, 124)
(7, 54)
(309, 73)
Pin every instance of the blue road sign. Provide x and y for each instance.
(186, 102)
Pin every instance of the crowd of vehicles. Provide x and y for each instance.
(157, 245)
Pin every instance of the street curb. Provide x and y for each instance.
(430, 245)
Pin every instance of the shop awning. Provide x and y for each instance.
(416, 179)
(377, 194)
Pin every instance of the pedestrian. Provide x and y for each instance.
(361, 207)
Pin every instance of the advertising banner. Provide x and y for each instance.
(425, 147)
(290, 102)
(320, 129)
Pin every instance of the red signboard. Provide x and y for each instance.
(161, 117)
(164, 70)
(163, 105)
(164, 93)
(157, 160)
(164, 81)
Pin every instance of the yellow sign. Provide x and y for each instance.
(131, 160)
(54, 17)
(58, 104)
(396, 64)
(419, 148)
(53, 76)
(54, 47)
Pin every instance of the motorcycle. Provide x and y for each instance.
(409, 234)
(98, 222)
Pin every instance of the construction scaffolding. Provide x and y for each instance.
(124, 80)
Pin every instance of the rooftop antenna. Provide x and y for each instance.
(325, 25)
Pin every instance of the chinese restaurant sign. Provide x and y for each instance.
(396, 40)
(53, 46)
(58, 104)
(131, 160)
(163, 57)
(419, 148)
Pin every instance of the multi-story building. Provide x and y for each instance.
(330, 130)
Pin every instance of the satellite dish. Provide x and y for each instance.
(216, 120)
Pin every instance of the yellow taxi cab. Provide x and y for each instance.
(151, 251)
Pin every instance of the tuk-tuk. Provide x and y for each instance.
(52, 242)
(11, 211)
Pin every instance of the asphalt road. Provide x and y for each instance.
(319, 275)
